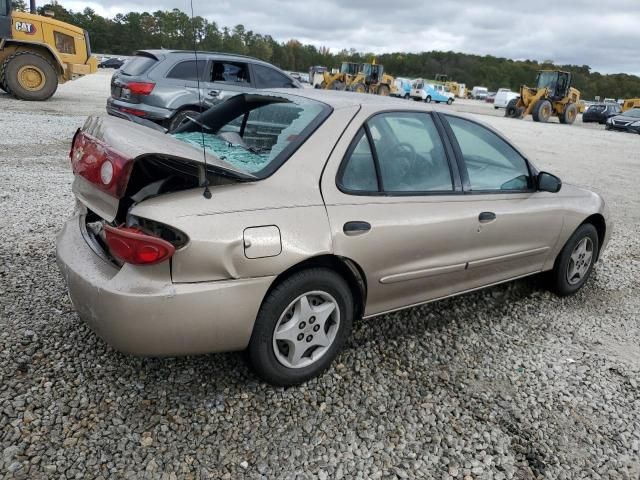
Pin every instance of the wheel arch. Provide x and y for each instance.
(598, 221)
(13, 46)
(345, 267)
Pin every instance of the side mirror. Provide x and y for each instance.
(548, 182)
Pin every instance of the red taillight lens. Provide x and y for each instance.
(132, 245)
(133, 111)
(141, 88)
(89, 157)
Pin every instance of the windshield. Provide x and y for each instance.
(255, 133)
(634, 112)
(547, 80)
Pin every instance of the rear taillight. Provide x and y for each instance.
(140, 88)
(103, 166)
(132, 245)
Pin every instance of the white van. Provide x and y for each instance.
(479, 93)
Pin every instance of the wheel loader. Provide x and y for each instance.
(553, 95)
(342, 79)
(372, 79)
(37, 53)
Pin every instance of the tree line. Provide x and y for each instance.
(174, 29)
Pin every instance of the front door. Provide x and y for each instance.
(515, 226)
(5, 19)
(395, 207)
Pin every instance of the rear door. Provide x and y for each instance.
(393, 197)
(226, 79)
(5, 19)
(515, 226)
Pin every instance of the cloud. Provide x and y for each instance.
(585, 32)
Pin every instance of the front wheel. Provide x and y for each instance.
(301, 326)
(428, 99)
(576, 260)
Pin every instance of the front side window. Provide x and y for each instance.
(230, 72)
(64, 43)
(491, 163)
(266, 77)
(187, 70)
(409, 153)
(255, 135)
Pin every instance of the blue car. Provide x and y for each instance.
(430, 92)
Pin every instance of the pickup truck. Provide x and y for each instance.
(503, 97)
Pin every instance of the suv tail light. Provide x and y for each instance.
(103, 166)
(132, 245)
(140, 88)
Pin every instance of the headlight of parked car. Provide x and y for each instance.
(635, 124)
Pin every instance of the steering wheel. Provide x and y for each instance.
(404, 157)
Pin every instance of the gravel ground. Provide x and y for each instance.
(510, 382)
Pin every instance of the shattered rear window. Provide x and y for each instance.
(261, 139)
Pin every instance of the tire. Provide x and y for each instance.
(406, 96)
(3, 82)
(495, 108)
(179, 117)
(269, 356)
(563, 283)
(383, 90)
(428, 99)
(569, 115)
(359, 88)
(450, 101)
(23, 67)
(542, 111)
(512, 108)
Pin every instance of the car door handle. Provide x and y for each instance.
(214, 93)
(356, 228)
(485, 217)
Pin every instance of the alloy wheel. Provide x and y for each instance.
(580, 261)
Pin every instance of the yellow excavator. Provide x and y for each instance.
(342, 79)
(553, 95)
(372, 79)
(37, 53)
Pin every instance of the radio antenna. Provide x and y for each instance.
(207, 192)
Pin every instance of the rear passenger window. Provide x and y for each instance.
(359, 174)
(187, 70)
(267, 77)
(230, 72)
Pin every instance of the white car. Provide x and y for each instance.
(479, 93)
(503, 97)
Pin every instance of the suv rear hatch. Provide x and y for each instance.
(129, 83)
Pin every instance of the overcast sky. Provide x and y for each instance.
(604, 34)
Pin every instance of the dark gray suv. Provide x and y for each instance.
(161, 85)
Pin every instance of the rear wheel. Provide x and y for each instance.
(30, 76)
(383, 90)
(575, 262)
(180, 117)
(450, 101)
(569, 114)
(542, 111)
(512, 108)
(360, 88)
(301, 326)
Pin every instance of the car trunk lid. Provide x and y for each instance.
(106, 149)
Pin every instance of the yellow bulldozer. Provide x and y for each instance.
(372, 79)
(37, 53)
(342, 79)
(553, 95)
